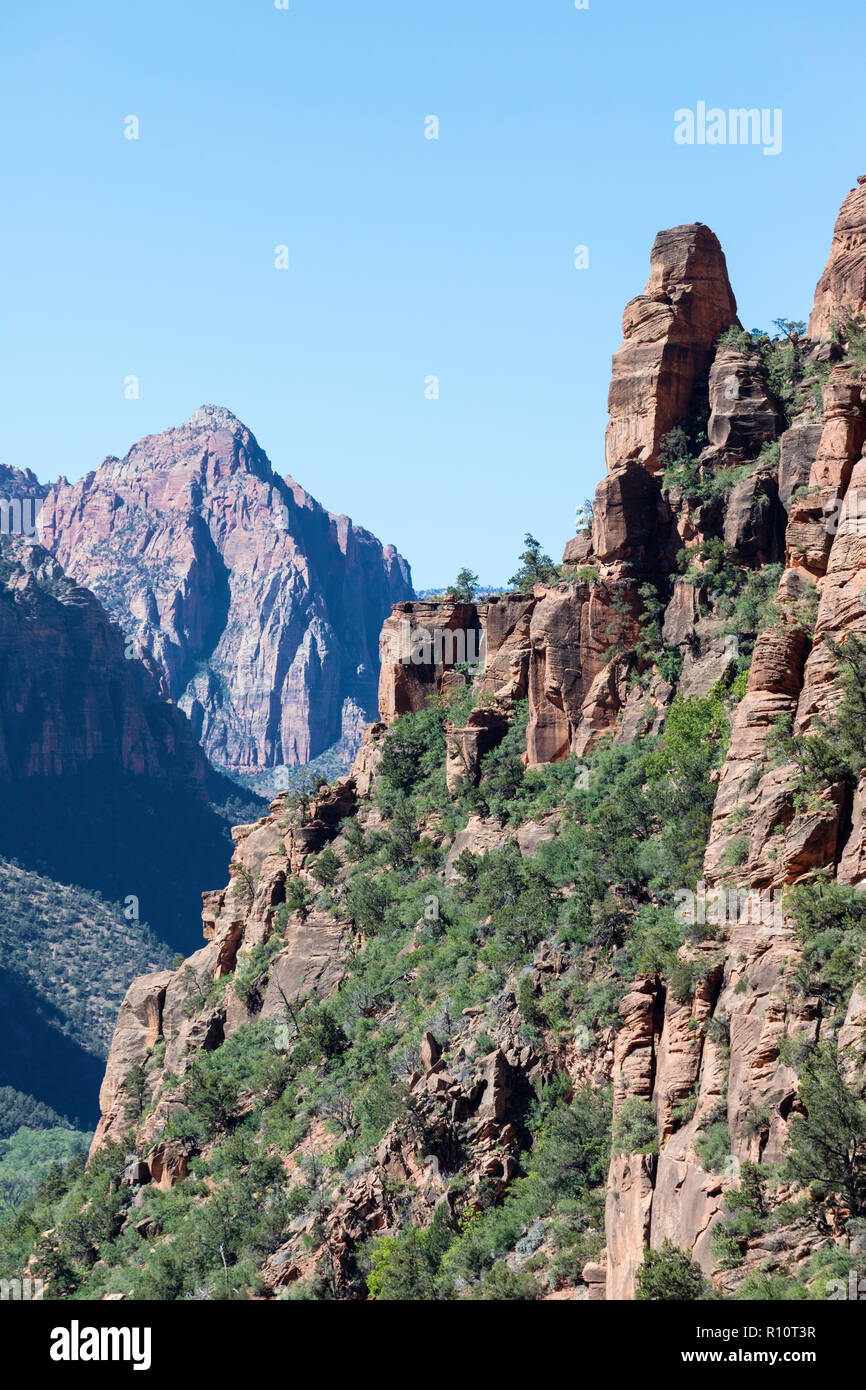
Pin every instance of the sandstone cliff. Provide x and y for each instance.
(842, 288)
(69, 697)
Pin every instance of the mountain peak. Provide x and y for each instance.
(210, 417)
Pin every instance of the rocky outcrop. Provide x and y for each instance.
(555, 645)
(719, 1057)
(798, 449)
(418, 645)
(194, 1008)
(669, 332)
(814, 514)
(572, 647)
(842, 288)
(422, 644)
(743, 414)
(576, 680)
(260, 610)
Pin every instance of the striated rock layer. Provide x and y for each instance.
(668, 335)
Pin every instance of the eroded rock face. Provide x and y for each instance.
(419, 644)
(718, 1058)
(814, 514)
(631, 519)
(260, 610)
(668, 332)
(842, 288)
(798, 449)
(182, 1008)
(139, 1024)
(743, 414)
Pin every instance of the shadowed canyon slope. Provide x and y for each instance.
(102, 780)
(260, 609)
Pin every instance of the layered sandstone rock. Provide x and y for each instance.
(668, 332)
(260, 610)
(842, 288)
(721, 1053)
(743, 414)
(419, 643)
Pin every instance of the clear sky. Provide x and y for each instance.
(409, 257)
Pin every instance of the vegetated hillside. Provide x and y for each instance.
(35, 1144)
(34, 1158)
(559, 993)
(68, 958)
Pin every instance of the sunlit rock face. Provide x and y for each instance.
(260, 610)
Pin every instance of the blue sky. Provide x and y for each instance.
(408, 257)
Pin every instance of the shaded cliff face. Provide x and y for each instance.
(103, 787)
(260, 610)
(102, 777)
(69, 699)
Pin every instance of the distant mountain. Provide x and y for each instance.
(260, 610)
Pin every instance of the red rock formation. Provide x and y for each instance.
(261, 610)
(748, 987)
(842, 288)
(814, 515)
(743, 414)
(668, 332)
(420, 642)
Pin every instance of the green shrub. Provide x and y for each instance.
(634, 1128)
(670, 1275)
